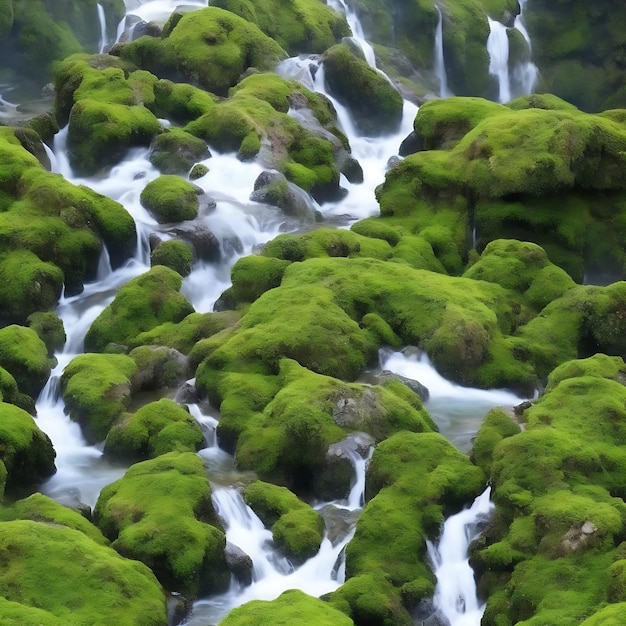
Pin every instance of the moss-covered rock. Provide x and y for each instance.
(210, 48)
(26, 453)
(156, 428)
(292, 608)
(175, 254)
(95, 585)
(161, 513)
(49, 328)
(559, 497)
(171, 199)
(140, 305)
(375, 104)
(96, 389)
(25, 356)
(413, 480)
(299, 27)
(175, 151)
(296, 528)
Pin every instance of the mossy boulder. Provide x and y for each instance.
(97, 389)
(253, 275)
(159, 368)
(564, 511)
(175, 151)
(299, 27)
(292, 608)
(161, 513)
(171, 199)
(156, 428)
(49, 327)
(25, 356)
(210, 48)
(181, 103)
(95, 585)
(140, 305)
(375, 104)
(175, 254)
(413, 481)
(26, 453)
(296, 528)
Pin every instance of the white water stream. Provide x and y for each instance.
(241, 226)
(440, 63)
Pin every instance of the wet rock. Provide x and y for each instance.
(239, 563)
(274, 189)
(158, 367)
(198, 171)
(413, 385)
(187, 394)
(204, 242)
(410, 144)
(352, 170)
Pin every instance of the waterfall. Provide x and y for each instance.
(341, 6)
(103, 29)
(498, 48)
(440, 65)
(526, 72)
(455, 593)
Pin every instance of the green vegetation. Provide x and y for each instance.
(170, 198)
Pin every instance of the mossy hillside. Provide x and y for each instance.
(143, 303)
(156, 428)
(161, 513)
(559, 496)
(296, 527)
(375, 104)
(175, 254)
(95, 585)
(288, 442)
(255, 121)
(97, 389)
(25, 356)
(26, 453)
(170, 198)
(291, 608)
(40, 508)
(210, 48)
(300, 26)
(184, 335)
(413, 481)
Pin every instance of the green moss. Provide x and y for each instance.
(26, 452)
(171, 199)
(496, 426)
(253, 275)
(16, 614)
(157, 428)
(95, 585)
(175, 254)
(292, 608)
(140, 305)
(181, 102)
(97, 389)
(296, 527)
(175, 151)
(49, 328)
(161, 513)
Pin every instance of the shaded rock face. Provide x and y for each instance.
(162, 367)
(274, 189)
(413, 385)
(205, 244)
(239, 563)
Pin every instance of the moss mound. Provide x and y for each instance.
(95, 585)
(157, 428)
(140, 305)
(296, 528)
(210, 48)
(49, 328)
(175, 254)
(290, 608)
(559, 497)
(97, 389)
(175, 151)
(374, 103)
(299, 26)
(161, 513)
(171, 199)
(26, 453)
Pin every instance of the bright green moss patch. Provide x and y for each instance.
(26, 452)
(170, 198)
(175, 151)
(161, 513)
(296, 527)
(157, 428)
(140, 305)
(16, 614)
(49, 328)
(175, 254)
(97, 389)
(292, 608)
(95, 585)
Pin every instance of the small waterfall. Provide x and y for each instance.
(356, 499)
(498, 48)
(103, 29)
(440, 64)
(341, 6)
(526, 72)
(455, 593)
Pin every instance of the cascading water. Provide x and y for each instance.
(526, 72)
(498, 48)
(440, 64)
(103, 29)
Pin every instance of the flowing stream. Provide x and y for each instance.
(440, 63)
(241, 226)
